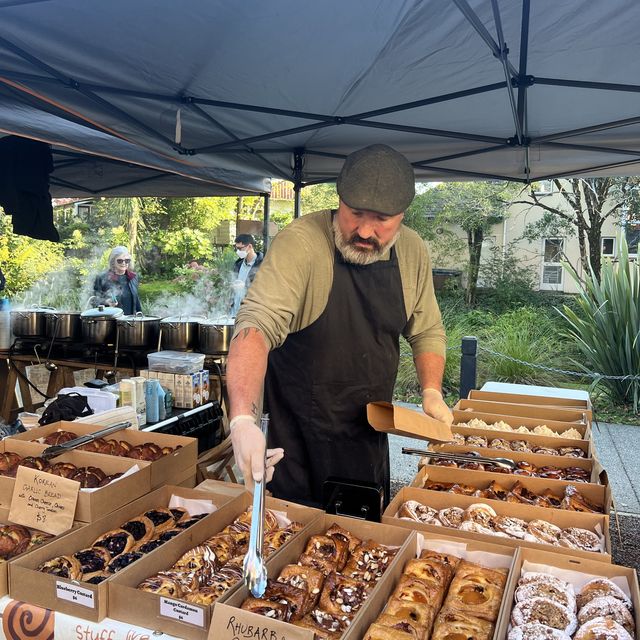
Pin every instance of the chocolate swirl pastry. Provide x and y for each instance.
(63, 567)
(308, 579)
(123, 560)
(116, 541)
(92, 561)
(162, 519)
(141, 528)
(162, 585)
(342, 596)
(273, 610)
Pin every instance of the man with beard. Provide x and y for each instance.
(320, 327)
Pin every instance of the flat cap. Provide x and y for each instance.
(377, 178)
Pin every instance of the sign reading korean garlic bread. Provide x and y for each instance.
(43, 501)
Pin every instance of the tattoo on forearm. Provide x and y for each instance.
(254, 409)
(244, 333)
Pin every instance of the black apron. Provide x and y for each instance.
(320, 380)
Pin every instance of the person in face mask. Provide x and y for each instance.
(245, 269)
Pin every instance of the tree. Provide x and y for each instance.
(584, 206)
(318, 196)
(472, 206)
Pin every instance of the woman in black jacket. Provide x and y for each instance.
(118, 286)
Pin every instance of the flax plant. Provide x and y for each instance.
(606, 326)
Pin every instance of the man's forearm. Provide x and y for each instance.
(430, 369)
(246, 368)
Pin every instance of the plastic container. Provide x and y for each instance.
(5, 324)
(176, 362)
(98, 400)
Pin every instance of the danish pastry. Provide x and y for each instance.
(572, 452)
(420, 617)
(441, 558)
(476, 441)
(451, 625)
(413, 510)
(501, 444)
(607, 607)
(97, 578)
(413, 590)
(430, 571)
(480, 513)
(270, 519)
(451, 517)
(392, 630)
(342, 596)
(536, 631)
(599, 587)
(116, 541)
(169, 534)
(204, 595)
(150, 546)
(333, 549)
(295, 598)
(162, 519)
(63, 567)
(162, 585)
(141, 528)
(575, 538)
(330, 623)
(548, 587)
(123, 560)
(200, 558)
(306, 578)
(273, 610)
(602, 629)
(93, 560)
(369, 561)
(574, 501)
(321, 632)
(511, 526)
(544, 611)
(543, 532)
(545, 451)
(179, 514)
(476, 591)
(324, 565)
(470, 525)
(335, 531)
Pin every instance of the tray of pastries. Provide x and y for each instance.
(547, 606)
(481, 518)
(441, 596)
(328, 586)
(116, 549)
(540, 430)
(207, 571)
(517, 446)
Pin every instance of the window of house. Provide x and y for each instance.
(552, 272)
(632, 232)
(608, 247)
(543, 187)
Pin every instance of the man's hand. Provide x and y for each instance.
(249, 449)
(433, 405)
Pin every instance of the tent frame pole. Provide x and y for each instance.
(265, 221)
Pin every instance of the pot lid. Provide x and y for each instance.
(138, 317)
(36, 309)
(102, 312)
(175, 319)
(222, 321)
(51, 312)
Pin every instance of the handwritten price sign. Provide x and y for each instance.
(43, 501)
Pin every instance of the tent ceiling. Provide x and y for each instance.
(465, 88)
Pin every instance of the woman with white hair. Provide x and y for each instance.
(118, 286)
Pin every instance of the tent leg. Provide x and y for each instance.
(265, 227)
(296, 200)
(298, 163)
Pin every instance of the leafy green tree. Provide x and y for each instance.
(316, 197)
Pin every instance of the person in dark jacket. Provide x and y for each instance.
(244, 268)
(118, 286)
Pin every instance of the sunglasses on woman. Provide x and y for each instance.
(123, 260)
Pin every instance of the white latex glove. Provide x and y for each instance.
(237, 285)
(434, 405)
(249, 450)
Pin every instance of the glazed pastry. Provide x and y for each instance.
(200, 558)
(572, 452)
(544, 611)
(321, 632)
(337, 531)
(93, 560)
(335, 550)
(141, 528)
(306, 578)
(599, 587)
(369, 561)
(388, 628)
(14, 539)
(451, 517)
(270, 520)
(63, 469)
(536, 631)
(607, 607)
(476, 591)
(582, 539)
(602, 629)
(413, 510)
(413, 590)
(450, 625)
(88, 477)
(511, 526)
(400, 614)
(574, 501)
(189, 581)
(520, 445)
(162, 519)
(204, 595)
(273, 610)
(295, 598)
(431, 570)
(123, 560)
(275, 539)
(545, 451)
(501, 444)
(116, 541)
(8, 461)
(63, 567)
(162, 585)
(543, 532)
(548, 587)
(481, 514)
(342, 596)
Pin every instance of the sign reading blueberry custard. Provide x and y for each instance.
(43, 501)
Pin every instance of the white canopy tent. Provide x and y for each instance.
(467, 89)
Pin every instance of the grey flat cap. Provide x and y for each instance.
(377, 178)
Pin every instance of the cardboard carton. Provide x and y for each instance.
(228, 618)
(598, 523)
(166, 470)
(45, 590)
(91, 505)
(391, 418)
(538, 412)
(521, 398)
(597, 494)
(152, 611)
(576, 570)
(483, 553)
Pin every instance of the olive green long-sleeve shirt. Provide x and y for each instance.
(292, 287)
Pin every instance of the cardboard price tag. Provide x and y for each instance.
(43, 501)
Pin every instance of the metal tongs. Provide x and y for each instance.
(253, 567)
(59, 449)
(472, 456)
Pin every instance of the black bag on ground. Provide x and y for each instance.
(68, 406)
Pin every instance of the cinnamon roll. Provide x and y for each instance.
(602, 628)
(451, 517)
(544, 611)
(582, 539)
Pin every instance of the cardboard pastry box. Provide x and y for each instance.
(178, 617)
(229, 620)
(543, 401)
(90, 600)
(538, 412)
(391, 418)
